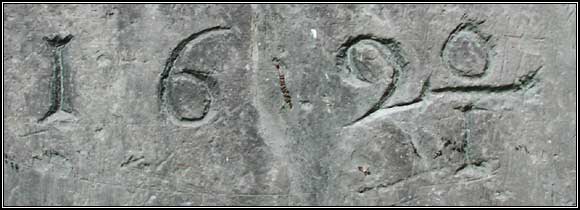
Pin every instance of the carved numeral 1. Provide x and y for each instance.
(59, 93)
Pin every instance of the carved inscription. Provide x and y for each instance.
(186, 94)
(59, 85)
(467, 53)
(189, 97)
(466, 50)
(372, 61)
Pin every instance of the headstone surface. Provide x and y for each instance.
(280, 105)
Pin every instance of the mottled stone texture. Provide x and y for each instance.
(289, 104)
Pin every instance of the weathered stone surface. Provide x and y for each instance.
(189, 105)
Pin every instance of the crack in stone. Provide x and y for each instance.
(33, 133)
(282, 80)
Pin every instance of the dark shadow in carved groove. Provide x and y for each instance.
(203, 76)
(471, 26)
(424, 88)
(523, 82)
(398, 66)
(58, 91)
(175, 54)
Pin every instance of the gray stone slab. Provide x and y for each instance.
(289, 105)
